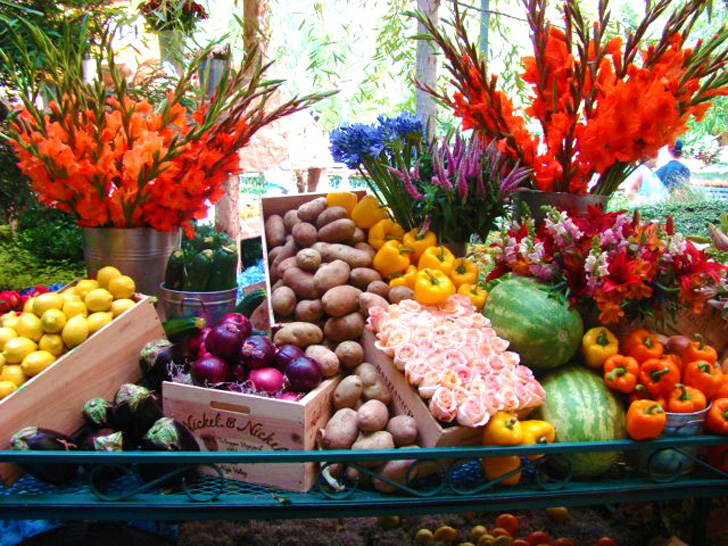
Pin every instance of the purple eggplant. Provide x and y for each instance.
(155, 360)
(135, 410)
(41, 439)
(166, 435)
(98, 413)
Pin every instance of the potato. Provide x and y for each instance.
(304, 234)
(308, 259)
(362, 276)
(348, 392)
(372, 416)
(275, 286)
(338, 231)
(374, 386)
(403, 429)
(302, 283)
(285, 264)
(288, 250)
(398, 471)
(330, 275)
(341, 431)
(273, 254)
(358, 237)
(341, 300)
(350, 354)
(329, 215)
(344, 328)
(309, 311)
(322, 248)
(300, 334)
(366, 247)
(260, 319)
(380, 288)
(283, 301)
(326, 357)
(290, 219)
(354, 476)
(399, 293)
(308, 212)
(352, 256)
(372, 441)
(367, 300)
(275, 231)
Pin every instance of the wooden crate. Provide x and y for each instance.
(54, 398)
(709, 324)
(406, 401)
(227, 421)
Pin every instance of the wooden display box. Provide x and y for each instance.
(54, 398)
(228, 421)
(709, 324)
(406, 401)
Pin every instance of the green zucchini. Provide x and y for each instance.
(224, 270)
(199, 271)
(178, 327)
(210, 242)
(250, 302)
(176, 274)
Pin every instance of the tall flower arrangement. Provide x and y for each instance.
(164, 15)
(116, 161)
(602, 103)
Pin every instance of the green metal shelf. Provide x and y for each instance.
(459, 487)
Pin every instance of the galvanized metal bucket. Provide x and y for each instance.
(211, 306)
(141, 253)
(530, 202)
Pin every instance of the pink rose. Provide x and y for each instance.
(443, 405)
(461, 394)
(472, 413)
(498, 344)
(397, 337)
(523, 373)
(454, 357)
(465, 373)
(408, 321)
(451, 306)
(481, 366)
(473, 336)
(403, 353)
(450, 379)
(479, 321)
(410, 306)
(494, 382)
(415, 371)
(465, 321)
(389, 351)
(493, 401)
(437, 361)
(471, 353)
(386, 329)
(443, 341)
(429, 384)
(485, 348)
(377, 317)
(458, 337)
(536, 389)
(425, 347)
(496, 362)
(477, 388)
(489, 333)
(511, 358)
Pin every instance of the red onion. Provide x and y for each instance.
(303, 374)
(677, 344)
(195, 342)
(241, 321)
(223, 341)
(285, 354)
(209, 370)
(266, 379)
(238, 373)
(291, 396)
(257, 352)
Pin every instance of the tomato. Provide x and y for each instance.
(562, 542)
(558, 514)
(509, 522)
(499, 532)
(606, 541)
(521, 542)
(538, 537)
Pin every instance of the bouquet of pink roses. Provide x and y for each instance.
(455, 359)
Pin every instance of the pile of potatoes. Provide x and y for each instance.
(362, 421)
(322, 281)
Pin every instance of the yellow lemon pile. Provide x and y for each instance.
(55, 322)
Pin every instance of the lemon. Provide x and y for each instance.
(29, 326)
(96, 321)
(73, 308)
(53, 343)
(122, 287)
(85, 286)
(18, 348)
(49, 300)
(7, 388)
(28, 307)
(53, 321)
(13, 373)
(119, 306)
(70, 291)
(7, 334)
(3, 361)
(106, 274)
(98, 300)
(36, 362)
(70, 297)
(75, 331)
(10, 320)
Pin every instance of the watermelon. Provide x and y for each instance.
(536, 321)
(582, 409)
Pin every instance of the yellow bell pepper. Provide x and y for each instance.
(437, 257)
(383, 231)
(432, 287)
(344, 199)
(464, 271)
(537, 432)
(495, 467)
(368, 212)
(503, 429)
(475, 294)
(391, 259)
(418, 243)
(408, 279)
(597, 345)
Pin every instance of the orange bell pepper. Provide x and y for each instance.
(659, 376)
(620, 373)
(675, 359)
(642, 345)
(723, 390)
(685, 400)
(645, 420)
(698, 350)
(717, 419)
(703, 376)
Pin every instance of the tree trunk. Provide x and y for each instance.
(426, 71)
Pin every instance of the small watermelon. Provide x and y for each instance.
(536, 321)
(582, 409)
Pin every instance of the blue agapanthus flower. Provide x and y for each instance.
(351, 144)
(405, 126)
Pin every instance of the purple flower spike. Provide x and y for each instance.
(462, 184)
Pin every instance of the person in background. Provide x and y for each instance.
(643, 187)
(674, 175)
